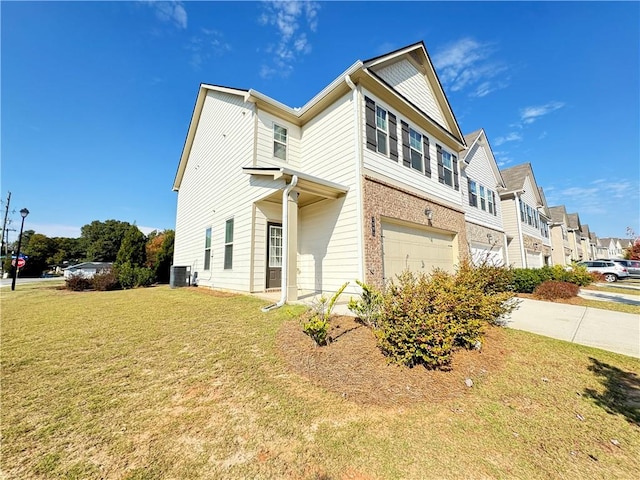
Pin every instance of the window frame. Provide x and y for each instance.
(382, 131)
(483, 198)
(491, 206)
(447, 169)
(279, 142)
(207, 249)
(228, 243)
(473, 193)
(419, 152)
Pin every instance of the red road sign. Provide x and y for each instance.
(21, 262)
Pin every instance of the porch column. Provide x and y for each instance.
(292, 247)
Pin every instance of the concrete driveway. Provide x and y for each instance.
(613, 331)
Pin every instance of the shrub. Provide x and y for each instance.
(579, 275)
(367, 309)
(552, 289)
(105, 281)
(525, 280)
(126, 275)
(144, 276)
(424, 318)
(318, 329)
(78, 283)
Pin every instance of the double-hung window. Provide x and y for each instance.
(483, 198)
(473, 193)
(207, 249)
(415, 145)
(447, 168)
(490, 204)
(382, 129)
(228, 244)
(279, 142)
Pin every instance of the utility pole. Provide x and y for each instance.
(6, 215)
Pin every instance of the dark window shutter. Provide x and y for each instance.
(406, 153)
(495, 205)
(370, 117)
(427, 156)
(393, 137)
(454, 159)
(440, 165)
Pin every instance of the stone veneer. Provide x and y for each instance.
(478, 234)
(384, 200)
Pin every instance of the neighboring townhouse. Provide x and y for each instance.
(575, 237)
(524, 217)
(480, 182)
(609, 244)
(588, 249)
(360, 183)
(599, 250)
(624, 245)
(560, 247)
(545, 221)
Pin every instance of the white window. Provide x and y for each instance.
(490, 205)
(207, 249)
(382, 128)
(483, 198)
(279, 142)
(228, 245)
(415, 146)
(473, 193)
(275, 246)
(448, 168)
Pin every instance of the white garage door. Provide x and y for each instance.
(534, 260)
(415, 248)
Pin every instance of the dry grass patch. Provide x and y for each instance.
(159, 383)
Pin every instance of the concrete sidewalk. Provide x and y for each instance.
(614, 331)
(628, 299)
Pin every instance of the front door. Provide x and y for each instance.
(274, 255)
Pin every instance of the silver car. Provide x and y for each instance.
(611, 271)
(632, 266)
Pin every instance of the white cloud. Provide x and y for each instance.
(55, 229)
(170, 11)
(511, 137)
(466, 64)
(292, 21)
(531, 114)
(599, 197)
(206, 44)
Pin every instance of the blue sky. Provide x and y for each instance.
(97, 96)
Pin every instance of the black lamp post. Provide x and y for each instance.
(23, 213)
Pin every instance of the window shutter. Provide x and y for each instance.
(454, 159)
(440, 165)
(427, 156)
(406, 153)
(495, 205)
(370, 117)
(393, 137)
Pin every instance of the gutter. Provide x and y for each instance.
(285, 244)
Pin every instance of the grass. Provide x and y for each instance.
(160, 383)
(614, 289)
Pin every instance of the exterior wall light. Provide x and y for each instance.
(429, 213)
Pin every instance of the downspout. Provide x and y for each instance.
(519, 221)
(359, 200)
(285, 244)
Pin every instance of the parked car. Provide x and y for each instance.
(632, 266)
(611, 271)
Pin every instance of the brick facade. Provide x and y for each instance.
(383, 200)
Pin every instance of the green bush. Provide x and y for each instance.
(368, 307)
(579, 275)
(318, 329)
(552, 289)
(129, 276)
(144, 276)
(424, 318)
(78, 283)
(525, 280)
(105, 281)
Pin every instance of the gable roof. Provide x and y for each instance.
(573, 221)
(558, 214)
(516, 176)
(417, 54)
(359, 71)
(479, 138)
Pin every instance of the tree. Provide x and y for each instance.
(160, 254)
(633, 251)
(40, 249)
(68, 250)
(101, 240)
(132, 249)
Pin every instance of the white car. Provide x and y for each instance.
(611, 271)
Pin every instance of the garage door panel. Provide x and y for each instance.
(419, 250)
(534, 260)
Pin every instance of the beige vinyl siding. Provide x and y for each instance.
(406, 79)
(479, 170)
(214, 189)
(530, 199)
(559, 245)
(510, 218)
(328, 230)
(264, 139)
(396, 171)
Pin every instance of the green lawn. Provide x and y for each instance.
(159, 383)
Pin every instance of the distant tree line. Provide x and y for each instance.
(108, 241)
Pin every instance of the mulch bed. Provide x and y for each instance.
(353, 367)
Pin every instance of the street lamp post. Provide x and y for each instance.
(23, 213)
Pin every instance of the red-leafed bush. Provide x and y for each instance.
(552, 289)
